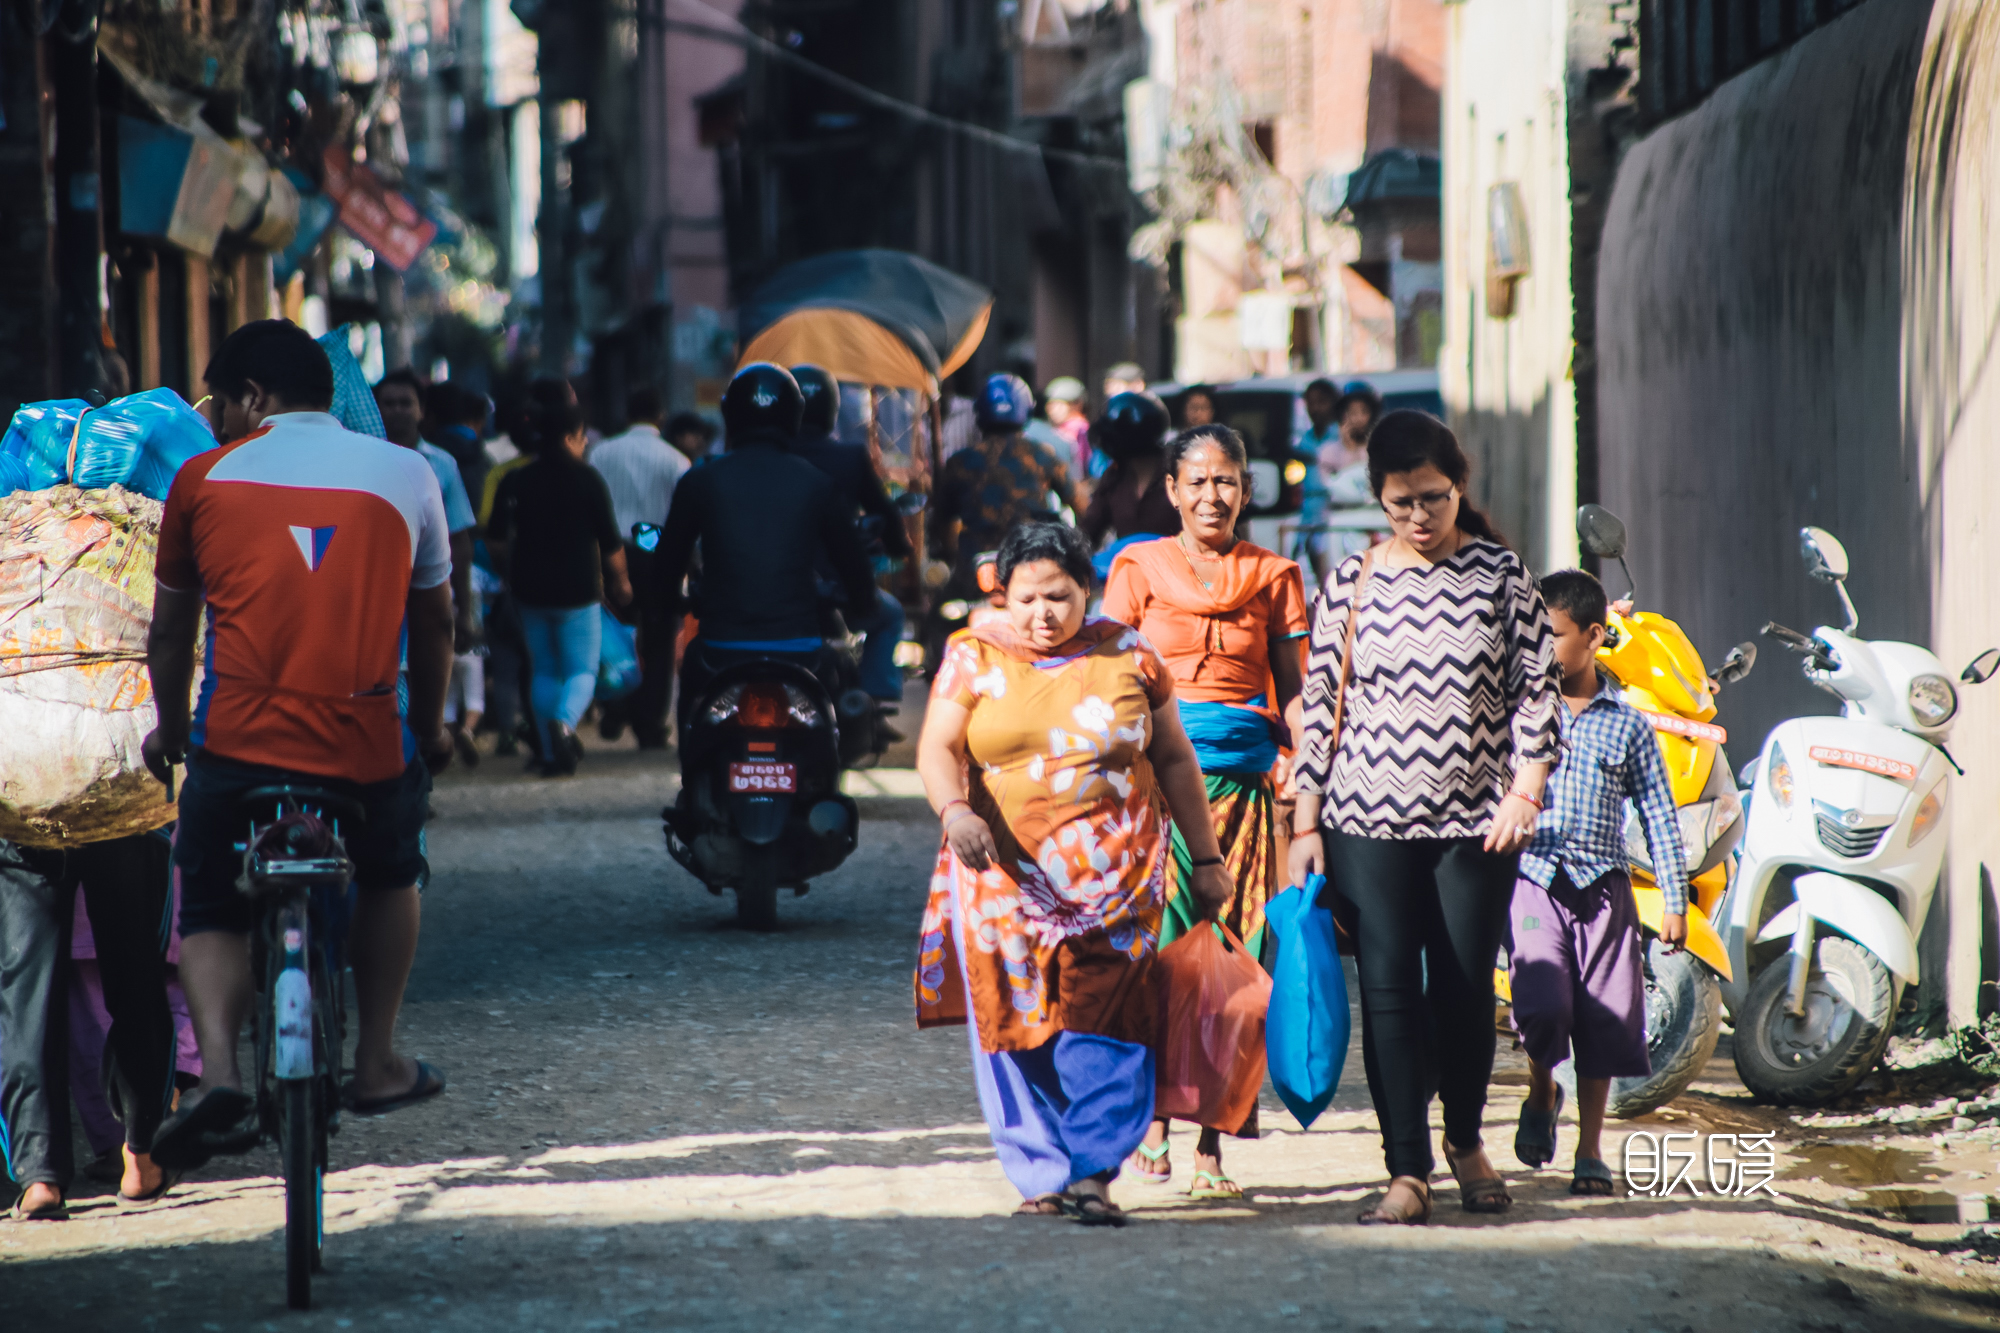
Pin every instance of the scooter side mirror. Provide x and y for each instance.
(1825, 557)
(1981, 668)
(1738, 664)
(1602, 531)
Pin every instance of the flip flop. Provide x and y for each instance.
(1591, 1174)
(1155, 1156)
(430, 1082)
(1535, 1135)
(1218, 1187)
(168, 1179)
(59, 1212)
(186, 1139)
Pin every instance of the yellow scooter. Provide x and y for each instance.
(1663, 677)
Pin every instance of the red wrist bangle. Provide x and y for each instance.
(949, 804)
(1524, 796)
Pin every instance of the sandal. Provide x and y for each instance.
(1154, 1156)
(198, 1130)
(430, 1082)
(1218, 1187)
(1593, 1179)
(1488, 1194)
(168, 1179)
(1094, 1210)
(1378, 1216)
(1535, 1135)
(1042, 1205)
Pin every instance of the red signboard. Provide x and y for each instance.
(380, 218)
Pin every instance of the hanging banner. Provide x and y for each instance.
(380, 218)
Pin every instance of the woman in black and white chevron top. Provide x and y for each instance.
(1417, 802)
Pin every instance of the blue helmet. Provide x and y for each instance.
(1005, 403)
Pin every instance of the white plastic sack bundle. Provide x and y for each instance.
(76, 598)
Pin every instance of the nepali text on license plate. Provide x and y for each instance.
(763, 777)
(1867, 763)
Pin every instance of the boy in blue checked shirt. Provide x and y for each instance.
(1577, 979)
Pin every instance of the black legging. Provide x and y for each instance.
(1428, 915)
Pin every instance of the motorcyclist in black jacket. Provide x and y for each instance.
(852, 472)
(766, 520)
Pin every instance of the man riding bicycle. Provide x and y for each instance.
(318, 553)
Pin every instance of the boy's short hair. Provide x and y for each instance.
(404, 376)
(277, 354)
(1576, 594)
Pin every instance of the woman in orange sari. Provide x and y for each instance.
(1227, 617)
(1051, 744)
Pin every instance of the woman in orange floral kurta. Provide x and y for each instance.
(1053, 752)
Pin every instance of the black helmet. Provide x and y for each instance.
(1132, 424)
(822, 393)
(762, 401)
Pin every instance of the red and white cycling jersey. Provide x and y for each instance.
(306, 539)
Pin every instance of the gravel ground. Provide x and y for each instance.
(658, 1121)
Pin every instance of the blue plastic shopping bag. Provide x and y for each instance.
(1306, 1027)
(617, 658)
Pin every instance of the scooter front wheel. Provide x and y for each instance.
(1683, 1024)
(1793, 1060)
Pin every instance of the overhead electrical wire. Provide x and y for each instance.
(738, 34)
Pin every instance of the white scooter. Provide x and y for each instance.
(1840, 855)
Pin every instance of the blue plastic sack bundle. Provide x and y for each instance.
(39, 437)
(139, 442)
(13, 475)
(1306, 1027)
(617, 658)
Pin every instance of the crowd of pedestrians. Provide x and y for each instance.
(1108, 784)
(1417, 720)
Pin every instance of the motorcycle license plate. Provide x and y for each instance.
(763, 777)
(1861, 759)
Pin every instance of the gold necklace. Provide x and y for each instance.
(1207, 584)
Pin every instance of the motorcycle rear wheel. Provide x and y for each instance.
(1850, 1008)
(757, 905)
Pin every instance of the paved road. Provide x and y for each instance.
(658, 1121)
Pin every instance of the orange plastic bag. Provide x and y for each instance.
(1211, 1062)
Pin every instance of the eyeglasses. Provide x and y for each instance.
(1432, 502)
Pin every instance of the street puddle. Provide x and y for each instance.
(1856, 1165)
(1924, 1207)
(1886, 1182)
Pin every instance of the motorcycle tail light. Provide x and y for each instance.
(801, 707)
(763, 707)
(1780, 777)
(1929, 815)
(723, 706)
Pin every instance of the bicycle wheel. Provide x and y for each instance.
(298, 1143)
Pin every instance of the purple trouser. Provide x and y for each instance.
(1577, 977)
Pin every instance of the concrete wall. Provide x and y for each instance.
(1749, 325)
(1506, 381)
(1951, 415)
(1797, 304)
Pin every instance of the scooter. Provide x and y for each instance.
(760, 805)
(1663, 677)
(1841, 855)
